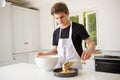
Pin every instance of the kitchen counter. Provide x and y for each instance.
(26, 71)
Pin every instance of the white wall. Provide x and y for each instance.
(46, 27)
(107, 22)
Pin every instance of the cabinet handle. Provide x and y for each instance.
(25, 42)
(14, 58)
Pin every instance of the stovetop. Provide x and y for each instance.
(107, 57)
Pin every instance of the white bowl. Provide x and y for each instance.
(46, 62)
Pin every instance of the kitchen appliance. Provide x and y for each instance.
(57, 72)
(107, 63)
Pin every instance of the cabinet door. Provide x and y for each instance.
(20, 58)
(31, 34)
(25, 26)
(17, 30)
(5, 36)
(32, 57)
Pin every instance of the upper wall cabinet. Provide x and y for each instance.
(5, 35)
(25, 29)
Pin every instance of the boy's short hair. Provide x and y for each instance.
(59, 7)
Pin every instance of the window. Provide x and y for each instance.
(74, 18)
(90, 24)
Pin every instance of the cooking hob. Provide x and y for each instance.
(107, 57)
(107, 63)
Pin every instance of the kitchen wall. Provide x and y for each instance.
(107, 21)
(109, 17)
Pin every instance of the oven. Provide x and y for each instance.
(107, 63)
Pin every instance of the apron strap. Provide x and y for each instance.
(70, 32)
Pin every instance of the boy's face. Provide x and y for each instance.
(61, 18)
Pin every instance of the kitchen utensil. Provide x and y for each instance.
(46, 62)
(57, 72)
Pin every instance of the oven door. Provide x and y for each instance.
(112, 66)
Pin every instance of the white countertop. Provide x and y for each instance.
(26, 71)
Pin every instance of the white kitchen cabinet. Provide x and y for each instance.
(5, 36)
(25, 30)
(24, 57)
(20, 58)
(19, 33)
(31, 57)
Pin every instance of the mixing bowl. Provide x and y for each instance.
(46, 62)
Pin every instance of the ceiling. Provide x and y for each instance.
(33, 4)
